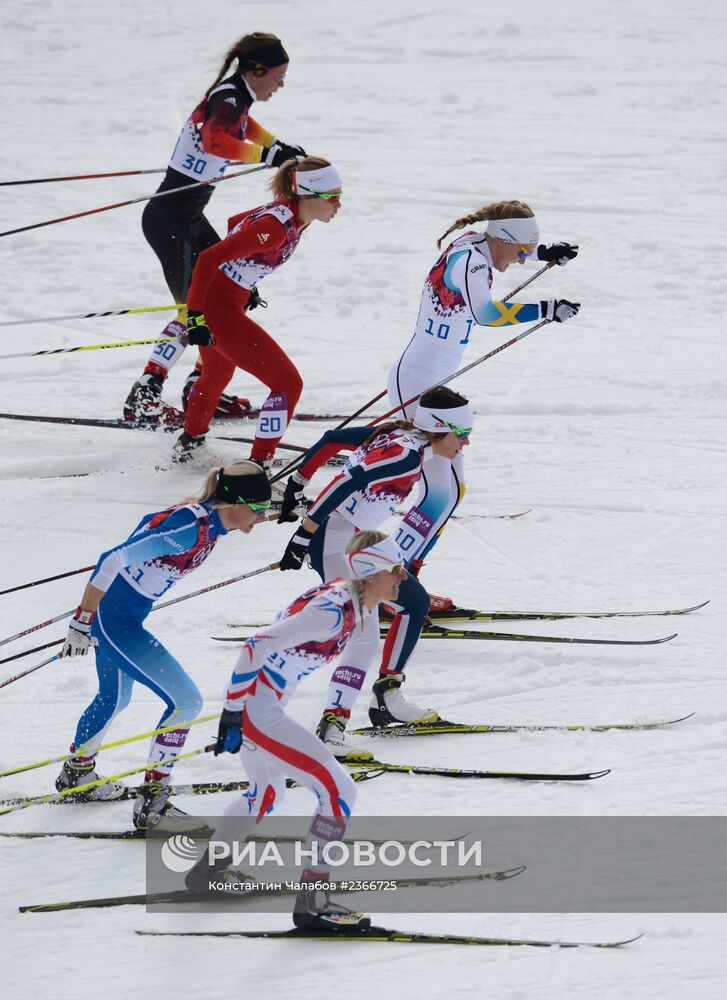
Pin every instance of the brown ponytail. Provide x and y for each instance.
(243, 46)
(496, 210)
(392, 425)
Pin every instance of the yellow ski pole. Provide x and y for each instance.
(93, 315)
(106, 746)
(80, 789)
(86, 347)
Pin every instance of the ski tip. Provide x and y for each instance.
(665, 638)
(619, 944)
(696, 607)
(684, 718)
(600, 774)
(509, 873)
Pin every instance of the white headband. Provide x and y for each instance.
(439, 420)
(522, 231)
(317, 180)
(382, 555)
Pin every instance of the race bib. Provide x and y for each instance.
(273, 419)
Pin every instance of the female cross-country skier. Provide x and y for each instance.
(455, 299)
(126, 582)
(218, 132)
(386, 466)
(310, 633)
(258, 243)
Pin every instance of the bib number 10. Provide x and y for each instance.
(442, 331)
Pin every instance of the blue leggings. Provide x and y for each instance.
(126, 653)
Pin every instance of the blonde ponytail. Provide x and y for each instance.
(362, 540)
(496, 210)
(282, 184)
(209, 487)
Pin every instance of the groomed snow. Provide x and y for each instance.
(610, 429)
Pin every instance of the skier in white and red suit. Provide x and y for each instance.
(386, 466)
(309, 634)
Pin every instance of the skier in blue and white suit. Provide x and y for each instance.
(126, 582)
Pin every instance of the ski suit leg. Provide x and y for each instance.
(412, 606)
(114, 694)
(275, 747)
(327, 559)
(241, 343)
(409, 376)
(126, 648)
(177, 243)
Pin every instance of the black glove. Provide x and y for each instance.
(198, 332)
(255, 300)
(561, 253)
(558, 310)
(280, 152)
(229, 734)
(292, 498)
(296, 550)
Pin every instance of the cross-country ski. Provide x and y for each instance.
(413, 313)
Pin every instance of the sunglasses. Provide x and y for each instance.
(257, 508)
(327, 195)
(461, 432)
(261, 71)
(523, 252)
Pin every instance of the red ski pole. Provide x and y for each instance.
(131, 201)
(296, 463)
(83, 177)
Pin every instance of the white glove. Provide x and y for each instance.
(78, 637)
(558, 310)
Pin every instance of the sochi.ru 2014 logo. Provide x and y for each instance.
(179, 854)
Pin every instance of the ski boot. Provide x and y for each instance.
(314, 913)
(205, 871)
(331, 730)
(74, 774)
(185, 446)
(228, 406)
(440, 605)
(389, 705)
(153, 811)
(144, 404)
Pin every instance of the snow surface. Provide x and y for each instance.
(604, 116)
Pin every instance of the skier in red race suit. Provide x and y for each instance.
(259, 242)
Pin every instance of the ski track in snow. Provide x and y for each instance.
(612, 429)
